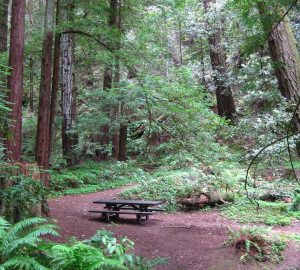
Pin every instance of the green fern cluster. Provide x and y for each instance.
(21, 247)
(254, 243)
(19, 244)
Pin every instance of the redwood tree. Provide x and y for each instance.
(15, 79)
(225, 101)
(55, 85)
(42, 139)
(68, 87)
(284, 54)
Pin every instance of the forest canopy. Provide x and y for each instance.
(177, 83)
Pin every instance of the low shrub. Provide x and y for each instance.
(270, 213)
(92, 177)
(255, 243)
(168, 188)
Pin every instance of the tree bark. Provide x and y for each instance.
(15, 79)
(122, 155)
(42, 139)
(225, 101)
(115, 134)
(55, 86)
(284, 54)
(69, 106)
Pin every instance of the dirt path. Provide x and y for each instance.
(191, 241)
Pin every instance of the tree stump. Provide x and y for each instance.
(20, 191)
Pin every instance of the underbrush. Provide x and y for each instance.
(270, 213)
(254, 243)
(168, 187)
(92, 177)
(21, 247)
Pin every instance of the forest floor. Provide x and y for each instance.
(191, 241)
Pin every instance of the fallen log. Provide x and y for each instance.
(202, 199)
(142, 129)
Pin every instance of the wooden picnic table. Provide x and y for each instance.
(138, 208)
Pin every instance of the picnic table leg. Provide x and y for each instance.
(105, 216)
(138, 218)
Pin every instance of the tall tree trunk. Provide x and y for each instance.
(104, 137)
(285, 56)
(225, 101)
(15, 79)
(122, 155)
(55, 86)
(42, 139)
(115, 134)
(68, 87)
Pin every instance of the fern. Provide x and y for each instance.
(25, 233)
(19, 243)
(80, 256)
(24, 263)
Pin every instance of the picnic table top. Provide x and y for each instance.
(130, 202)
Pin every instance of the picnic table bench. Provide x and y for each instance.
(117, 207)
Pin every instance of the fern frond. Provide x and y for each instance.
(18, 229)
(4, 223)
(23, 262)
(115, 264)
(44, 230)
(26, 233)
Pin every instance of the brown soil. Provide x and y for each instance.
(192, 241)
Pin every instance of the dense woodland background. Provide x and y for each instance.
(194, 101)
(162, 83)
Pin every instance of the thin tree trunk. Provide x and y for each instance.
(225, 101)
(69, 106)
(31, 62)
(42, 139)
(55, 86)
(31, 83)
(104, 137)
(122, 155)
(15, 79)
(115, 135)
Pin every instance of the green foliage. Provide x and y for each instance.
(271, 213)
(29, 123)
(4, 109)
(92, 176)
(21, 247)
(295, 206)
(20, 243)
(24, 194)
(81, 256)
(168, 188)
(254, 243)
